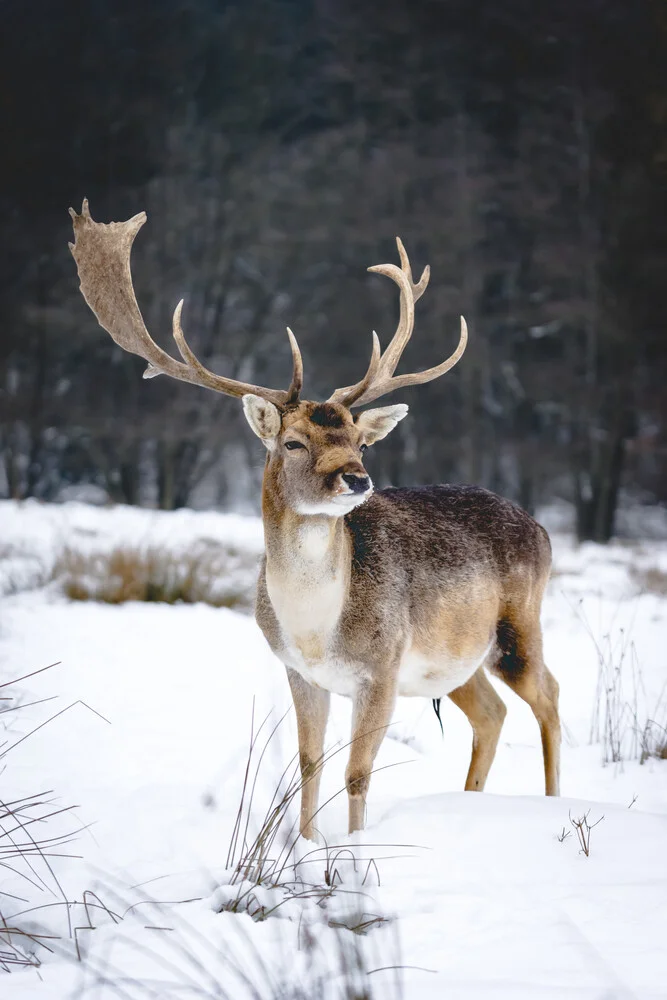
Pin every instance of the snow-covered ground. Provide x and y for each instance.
(482, 895)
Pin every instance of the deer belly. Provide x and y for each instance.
(424, 676)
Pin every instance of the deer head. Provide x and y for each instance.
(315, 449)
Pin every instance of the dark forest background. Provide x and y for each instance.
(278, 147)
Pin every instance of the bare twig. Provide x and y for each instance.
(583, 830)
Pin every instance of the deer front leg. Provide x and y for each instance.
(312, 711)
(373, 708)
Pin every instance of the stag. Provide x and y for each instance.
(365, 593)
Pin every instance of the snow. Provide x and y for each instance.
(479, 896)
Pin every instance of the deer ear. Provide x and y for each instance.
(263, 417)
(376, 424)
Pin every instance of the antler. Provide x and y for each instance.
(102, 255)
(379, 379)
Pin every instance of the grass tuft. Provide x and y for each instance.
(625, 724)
(270, 871)
(649, 580)
(29, 843)
(208, 572)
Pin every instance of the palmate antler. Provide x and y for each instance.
(102, 255)
(380, 379)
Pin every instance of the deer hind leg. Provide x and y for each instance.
(373, 708)
(312, 711)
(522, 667)
(486, 713)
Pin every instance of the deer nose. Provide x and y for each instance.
(358, 484)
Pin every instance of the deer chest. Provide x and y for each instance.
(308, 614)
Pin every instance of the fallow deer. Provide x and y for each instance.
(368, 594)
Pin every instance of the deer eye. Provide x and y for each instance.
(363, 447)
(292, 445)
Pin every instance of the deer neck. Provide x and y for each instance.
(308, 566)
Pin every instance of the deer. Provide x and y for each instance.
(370, 594)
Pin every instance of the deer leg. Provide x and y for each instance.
(312, 711)
(373, 708)
(486, 713)
(522, 668)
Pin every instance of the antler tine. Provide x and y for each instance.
(409, 293)
(418, 289)
(383, 386)
(348, 395)
(102, 254)
(292, 395)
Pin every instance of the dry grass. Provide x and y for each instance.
(207, 572)
(624, 722)
(29, 842)
(649, 580)
(266, 872)
(653, 736)
(330, 884)
(178, 958)
(183, 961)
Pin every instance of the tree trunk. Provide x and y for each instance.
(129, 480)
(596, 507)
(165, 477)
(13, 467)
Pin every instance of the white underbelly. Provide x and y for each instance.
(419, 676)
(424, 677)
